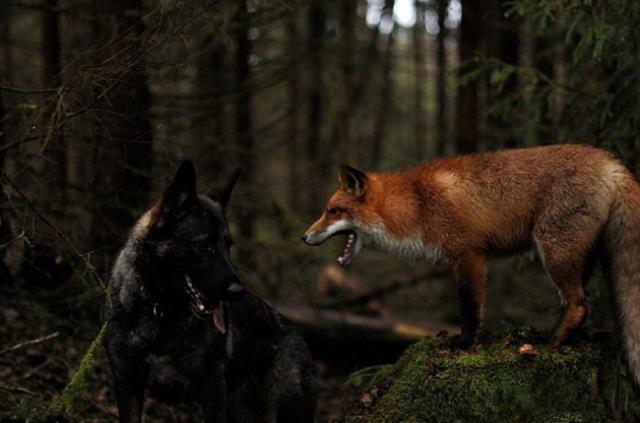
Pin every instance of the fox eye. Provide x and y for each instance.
(333, 211)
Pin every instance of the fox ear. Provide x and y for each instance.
(352, 180)
(179, 192)
(222, 193)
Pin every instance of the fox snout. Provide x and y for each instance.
(314, 238)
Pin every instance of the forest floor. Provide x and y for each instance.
(40, 351)
(32, 375)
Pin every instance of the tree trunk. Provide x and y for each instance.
(385, 108)
(244, 119)
(441, 119)
(315, 160)
(420, 80)
(52, 165)
(5, 230)
(467, 113)
(504, 44)
(544, 53)
(124, 157)
(342, 127)
(361, 78)
(293, 94)
(210, 127)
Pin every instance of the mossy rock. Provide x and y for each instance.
(434, 382)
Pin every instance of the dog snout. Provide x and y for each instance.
(235, 291)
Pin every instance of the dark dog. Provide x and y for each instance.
(180, 324)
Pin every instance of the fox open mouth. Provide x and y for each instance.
(203, 309)
(349, 251)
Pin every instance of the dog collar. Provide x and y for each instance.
(155, 306)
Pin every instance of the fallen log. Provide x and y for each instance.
(359, 293)
(343, 324)
(351, 339)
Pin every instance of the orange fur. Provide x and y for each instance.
(566, 200)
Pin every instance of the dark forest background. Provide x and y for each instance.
(101, 100)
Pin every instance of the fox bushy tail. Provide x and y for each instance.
(622, 239)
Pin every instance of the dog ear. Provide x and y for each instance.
(183, 187)
(352, 180)
(177, 194)
(222, 193)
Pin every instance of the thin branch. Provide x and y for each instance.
(28, 91)
(30, 342)
(25, 140)
(58, 233)
(15, 388)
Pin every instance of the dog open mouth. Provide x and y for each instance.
(203, 309)
(350, 250)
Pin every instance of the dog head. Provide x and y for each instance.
(186, 244)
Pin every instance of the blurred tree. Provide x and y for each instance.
(293, 98)
(5, 231)
(503, 38)
(545, 52)
(595, 96)
(315, 154)
(243, 114)
(123, 143)
(208, 89)
(441, 83)
(467, 107)
(384, 109)
(52, 161)
(341, 131)
(420, 79)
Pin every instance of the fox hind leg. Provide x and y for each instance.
(567, 263)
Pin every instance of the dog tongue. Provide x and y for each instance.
(218, 318)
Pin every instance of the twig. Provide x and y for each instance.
(55, 230)
(30, 342)
(25, 140)
(16, 388)
(34, 370)
(28, 91)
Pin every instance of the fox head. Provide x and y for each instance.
(346, 213)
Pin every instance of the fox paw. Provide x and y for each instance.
(464, 343)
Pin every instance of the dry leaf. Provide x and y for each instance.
(527, 349)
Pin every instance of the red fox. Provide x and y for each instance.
(574, 203)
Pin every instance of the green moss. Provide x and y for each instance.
(433, 382)
(73, 396)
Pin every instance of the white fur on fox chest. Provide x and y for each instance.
(410, 247)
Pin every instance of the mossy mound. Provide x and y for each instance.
(433, 382)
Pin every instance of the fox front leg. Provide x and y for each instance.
(470, 274)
